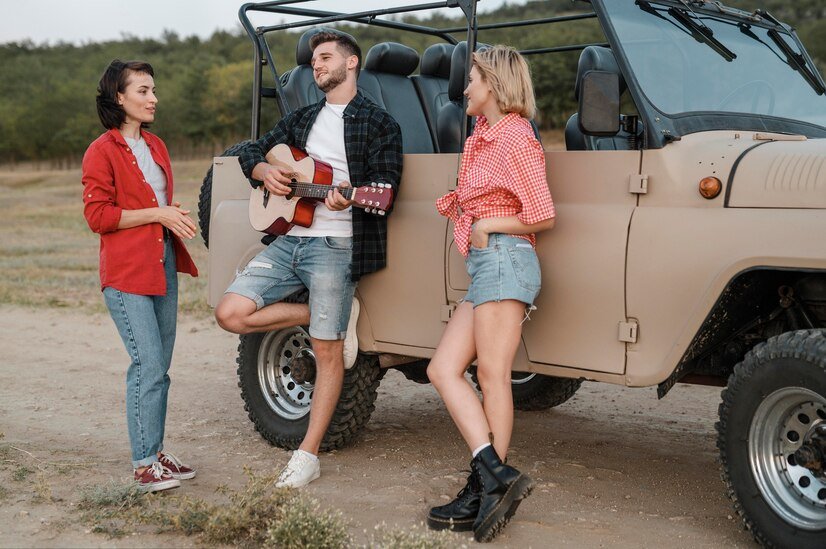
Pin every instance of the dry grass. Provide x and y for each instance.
(258, 515)
(48, 255)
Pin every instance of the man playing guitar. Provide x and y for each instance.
(363, 145)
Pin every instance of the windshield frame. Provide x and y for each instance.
(662, 128)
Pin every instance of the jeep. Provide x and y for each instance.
(689, 245)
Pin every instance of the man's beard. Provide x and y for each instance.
(334, 78)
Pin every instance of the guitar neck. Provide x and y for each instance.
(312, 190)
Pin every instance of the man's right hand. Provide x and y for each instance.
(275, 178)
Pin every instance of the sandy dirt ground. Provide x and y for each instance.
(614, 467)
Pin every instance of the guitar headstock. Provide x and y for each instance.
(375, 198)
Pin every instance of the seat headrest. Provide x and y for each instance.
(303, 51)
(456, 81)
(436, 60)
(597, 58)
(392, 57)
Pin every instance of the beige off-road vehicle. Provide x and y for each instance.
(689, 245)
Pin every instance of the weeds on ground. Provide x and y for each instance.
(21, 473)
(258, 515)
(417, 537)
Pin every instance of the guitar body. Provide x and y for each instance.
(275, 214)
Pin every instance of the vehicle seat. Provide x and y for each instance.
(596, 58)
(451, 115)
(384, 81)
(298, 83)
(431, 83)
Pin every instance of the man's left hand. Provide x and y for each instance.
(335, 201)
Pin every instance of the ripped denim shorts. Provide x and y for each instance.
(319, 263)
(506, 269)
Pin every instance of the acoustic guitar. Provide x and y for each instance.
(311, 180)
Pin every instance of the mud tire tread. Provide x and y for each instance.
(355, 406)
(541, 393)
(805, 345)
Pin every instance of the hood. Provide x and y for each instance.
(780, 174)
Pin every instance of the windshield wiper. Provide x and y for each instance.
(797, 62)
(700, 31)
(693, 26)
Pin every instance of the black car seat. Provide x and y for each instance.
(431, 83)
(596, 58)
(451, 115)
(298, 84)
(384, 80)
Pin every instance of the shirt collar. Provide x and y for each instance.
(118, 137)
(490, 133)
(354, 105)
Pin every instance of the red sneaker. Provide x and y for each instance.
(177, 469)
(156, 478)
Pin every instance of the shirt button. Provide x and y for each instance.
(127, 149)
(153, 200)
(161, 260)
(89, 195)
(133, 162)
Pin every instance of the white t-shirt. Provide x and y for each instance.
(151, 171)
(326, 143)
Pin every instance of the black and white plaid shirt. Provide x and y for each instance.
(373, 143)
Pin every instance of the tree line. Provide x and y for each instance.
(47, 106)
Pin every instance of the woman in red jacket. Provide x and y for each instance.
(127, 197)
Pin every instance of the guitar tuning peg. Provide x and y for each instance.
(372, 184)
(381, 212)
(381, 191)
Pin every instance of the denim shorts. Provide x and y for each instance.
(507, 269)
(291, 263)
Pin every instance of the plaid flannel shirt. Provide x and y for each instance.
(373, 143)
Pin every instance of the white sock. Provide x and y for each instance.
(480, 448)
(308, 454)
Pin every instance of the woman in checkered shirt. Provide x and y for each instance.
(501, 202)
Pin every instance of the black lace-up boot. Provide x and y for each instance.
(503, 489)
(460, 514)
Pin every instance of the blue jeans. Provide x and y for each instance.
(290, 263)
(147, 325)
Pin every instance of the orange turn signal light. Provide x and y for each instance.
(710, 187)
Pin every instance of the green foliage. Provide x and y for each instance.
(47, 107)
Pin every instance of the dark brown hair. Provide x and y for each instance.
(343, 41)
(112, 82)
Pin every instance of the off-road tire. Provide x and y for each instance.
(355, 406)
(773, 376)
(205, 196)
(535, 392)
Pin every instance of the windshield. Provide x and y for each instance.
(682, 68)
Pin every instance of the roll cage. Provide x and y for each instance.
(660, 127)
(468, 8)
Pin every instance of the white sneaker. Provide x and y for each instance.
(351, 341)
(301, 470)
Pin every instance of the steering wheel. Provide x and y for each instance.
(754, 90)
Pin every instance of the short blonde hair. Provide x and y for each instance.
(508, 75)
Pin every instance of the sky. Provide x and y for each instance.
(82, 21)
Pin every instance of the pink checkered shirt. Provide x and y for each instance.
(502, 174)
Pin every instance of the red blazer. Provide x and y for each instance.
(131, 260)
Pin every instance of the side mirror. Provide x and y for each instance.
(599, 104)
